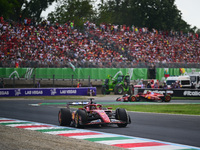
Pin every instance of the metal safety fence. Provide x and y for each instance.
(93, 64)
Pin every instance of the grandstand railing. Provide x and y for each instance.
(88, 64)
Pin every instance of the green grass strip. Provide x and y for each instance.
(189, 109)
(15, 123)
(48, 97)
(52, 103)
(185, 98)
(186, 109)
(106, 139)
(188, 149)
(51, 130)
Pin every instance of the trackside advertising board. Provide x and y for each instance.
(66, 73)
(83, 91)
(175, 92)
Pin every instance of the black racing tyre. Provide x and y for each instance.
(64, 117)
(167, 98)
(119, 90)
(122, 115)
(133, 99)
(80, 118)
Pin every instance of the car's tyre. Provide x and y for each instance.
(64, 117)
(121, 114)
(80, 118)
(119, 90)
(133, 99)
(167, 98)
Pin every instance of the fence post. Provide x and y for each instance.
(53, 80)
(13, 81)
(88, 81)
(34, 81)
(72, 80)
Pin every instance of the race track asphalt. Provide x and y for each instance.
(181, 129)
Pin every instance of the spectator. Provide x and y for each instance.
(165, 85)
(152, 83)
(58, 44)
(177, 84)
(79, 84)
(148, 85)
(90, 84)
(172, 85)
(156, 85)
(141, 83)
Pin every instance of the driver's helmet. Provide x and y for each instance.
(92, 107)
(100, 106)
(125, 95)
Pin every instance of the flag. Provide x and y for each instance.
(166, 72)
(16, 64)
(182, 70)
(72, 66)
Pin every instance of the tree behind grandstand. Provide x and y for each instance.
(158, 14)
(19, 9)
(72, 10)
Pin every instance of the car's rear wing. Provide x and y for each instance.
(78, 103)
(81, 102)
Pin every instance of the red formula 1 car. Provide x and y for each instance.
(93, 114)
(148, 96)
(126, 98)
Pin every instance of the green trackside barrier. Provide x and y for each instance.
(66, 73)
(83, 73)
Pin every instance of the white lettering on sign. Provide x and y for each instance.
(4, 92)
(37, 92)
(161, 92)
(191, 93)
(27, 92)
(34, 92)
(67, 91)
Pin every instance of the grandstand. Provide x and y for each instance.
(104, 46)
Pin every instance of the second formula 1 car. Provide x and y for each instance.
(146, 96)
(93, 114)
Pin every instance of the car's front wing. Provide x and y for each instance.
(99, 121)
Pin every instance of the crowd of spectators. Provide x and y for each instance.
(103, 46)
